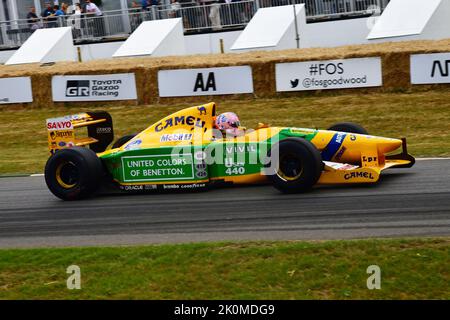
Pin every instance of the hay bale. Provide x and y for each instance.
(395, 60)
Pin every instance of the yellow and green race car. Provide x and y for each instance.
(184, 151)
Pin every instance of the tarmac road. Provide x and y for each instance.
(406, 202)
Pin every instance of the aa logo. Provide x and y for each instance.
(202, 85)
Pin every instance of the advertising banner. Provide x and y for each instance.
(15, 90)
(158, 168)
(430, 68)
(331, 74)
(208, 81)
(108, 87)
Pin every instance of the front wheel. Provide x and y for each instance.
(73, 173)
(295, 165)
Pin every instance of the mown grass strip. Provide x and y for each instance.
(410, 269)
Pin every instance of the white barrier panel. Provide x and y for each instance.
(5, 55)
(414, 19)
(272, 29)
(15, 90)
(331, 74)
(207, 81)
(430, 68)
(46, 45)
(110, 87)
(154, 38)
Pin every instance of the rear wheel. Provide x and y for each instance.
(349, 127)
(73, 173)
(298, 166)
(122, 140)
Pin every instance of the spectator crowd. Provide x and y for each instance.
(86, 18)
(55, 15)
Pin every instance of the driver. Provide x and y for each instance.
(228, 123)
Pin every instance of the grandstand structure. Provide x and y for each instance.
(415, 21)
(167, 41)
(59, 47)
(274, 28)
(201, 16)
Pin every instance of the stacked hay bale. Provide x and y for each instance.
(395, 63)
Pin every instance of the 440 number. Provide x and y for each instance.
(235, 171)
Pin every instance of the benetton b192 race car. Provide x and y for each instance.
(184, 151)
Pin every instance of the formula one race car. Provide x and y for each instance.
(184, 151)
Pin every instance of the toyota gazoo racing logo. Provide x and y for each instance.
(93, 88)
(78, 88)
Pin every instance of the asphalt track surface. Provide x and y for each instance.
(406, 202)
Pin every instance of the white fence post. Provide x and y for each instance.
(352, 5)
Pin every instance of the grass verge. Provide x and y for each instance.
(410, 269)
(422, 117)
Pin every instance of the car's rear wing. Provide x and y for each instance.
(62, 131)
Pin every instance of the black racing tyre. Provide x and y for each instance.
(298, 166)
(122, 140)
(349, 127)
(73, 173)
